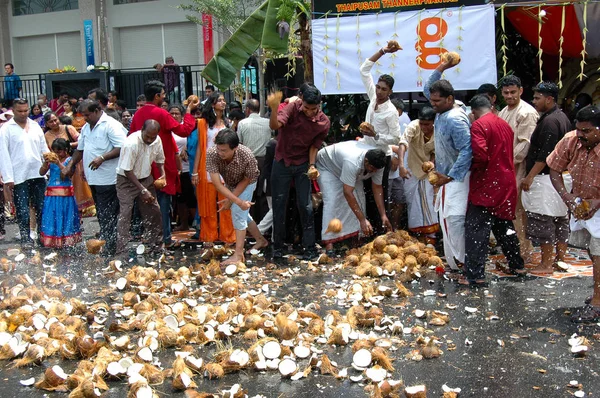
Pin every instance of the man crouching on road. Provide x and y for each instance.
(239, 168)
(134, 180)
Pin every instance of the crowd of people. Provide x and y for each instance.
(525, 174)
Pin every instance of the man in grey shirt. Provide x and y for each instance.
(254, 132)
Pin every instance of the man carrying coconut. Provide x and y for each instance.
(579, 153)
(343, 167)
(382, 126)
(452, 161)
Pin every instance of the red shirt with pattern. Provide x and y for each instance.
(583, 164)
(243, 165)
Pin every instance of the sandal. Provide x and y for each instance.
(510, 271)
(587, 314)
(175, 244)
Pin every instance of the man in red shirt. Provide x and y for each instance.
(302, 128)
(493, 193)
(154, 91)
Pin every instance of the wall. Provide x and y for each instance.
(33, 32)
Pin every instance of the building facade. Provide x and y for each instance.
(38, 35)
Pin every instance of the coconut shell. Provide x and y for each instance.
(365, 126)
(50, 157)
(393, 45)
(334, 226)
(94, 245)
(432, 177)
(379, 244)
(192, 100)
(452, 57)
(160, 183)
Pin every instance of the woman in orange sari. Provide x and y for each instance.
(83, 193)
(214, 225)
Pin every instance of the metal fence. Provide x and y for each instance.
(31, 87)
(128, 83)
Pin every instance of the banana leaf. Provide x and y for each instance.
(271, 40)
(226, 63)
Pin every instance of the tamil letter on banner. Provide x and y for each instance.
(341, 44)
(207, 33)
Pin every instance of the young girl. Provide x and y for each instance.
(60, 218)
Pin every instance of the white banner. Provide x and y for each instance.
(341, 44)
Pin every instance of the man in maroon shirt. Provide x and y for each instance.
(154, 91)
(302, 128)
(493, 193)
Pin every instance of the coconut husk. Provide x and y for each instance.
(327, 367)
(452, 57)
(160, 183)
(214, 371)
(94, 245)
(334, 226)
(381, 357)
(316, 327)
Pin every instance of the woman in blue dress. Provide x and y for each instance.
(60, 217)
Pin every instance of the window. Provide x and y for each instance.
(27, 7)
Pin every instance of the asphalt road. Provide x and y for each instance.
(513, 356)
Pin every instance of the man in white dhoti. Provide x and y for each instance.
(579, 153)
(453, 155)
(418, 141)
(342, 168)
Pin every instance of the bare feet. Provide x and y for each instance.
(543, 269)
(260, 244)
(233, 260)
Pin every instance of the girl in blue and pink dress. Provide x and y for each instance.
(60, 217)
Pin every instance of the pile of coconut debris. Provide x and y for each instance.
(157, 308)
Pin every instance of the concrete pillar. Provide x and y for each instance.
(5, 39)
(90, 9)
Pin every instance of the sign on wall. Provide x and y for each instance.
(339, 6)
(207, 34)
(342, 43)
(88, 37)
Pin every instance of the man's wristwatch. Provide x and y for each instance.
(376, 136)
(145, 190)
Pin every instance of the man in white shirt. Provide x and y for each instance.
(343, 167)
(134, 180)
(254, 132)
(523, 118)
(22, 145)
(383, 117)
(99, 146)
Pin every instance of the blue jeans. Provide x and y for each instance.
(164, 201)
(31, 191)
(240, 217)
(281, 180)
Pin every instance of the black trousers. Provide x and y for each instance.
(478, 224)
(281, 179)
(107, 210)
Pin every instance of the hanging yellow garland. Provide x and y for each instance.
(325, 49)
(540, 42)
(503, 38)
(358, 38)
(419, 48)
(560, 46)
(337, 40)
(584, 42)
(460, 38)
